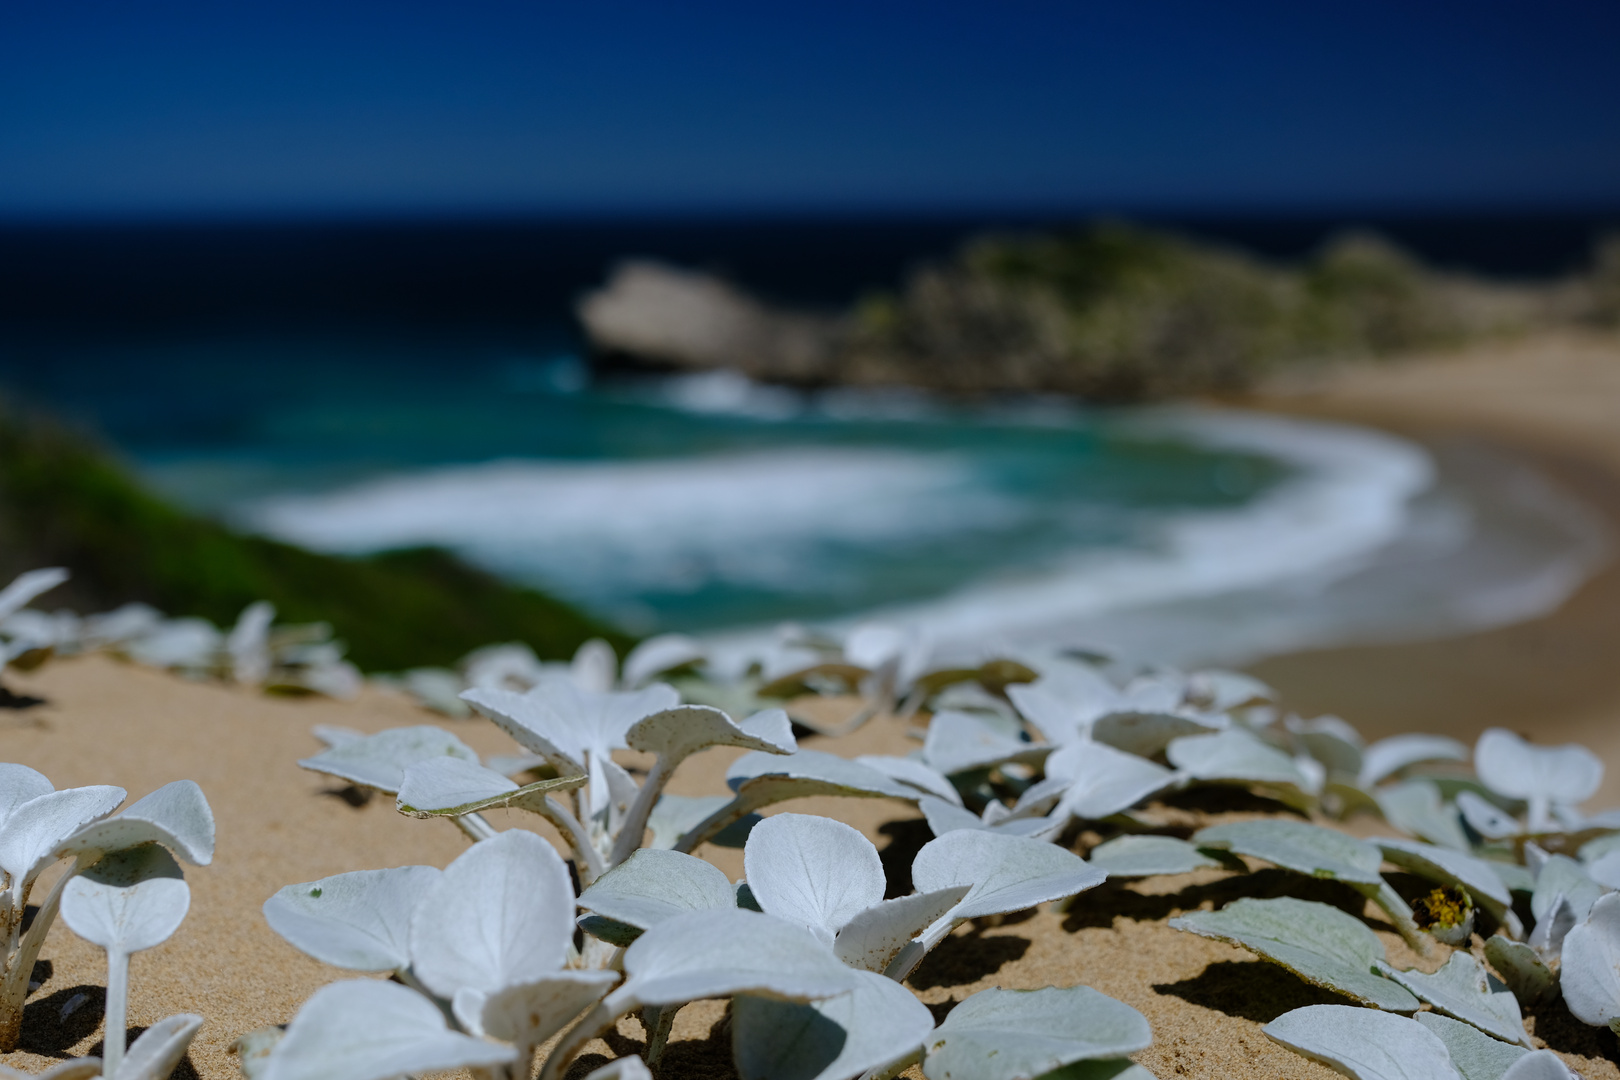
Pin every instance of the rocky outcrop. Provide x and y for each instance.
(661, 316)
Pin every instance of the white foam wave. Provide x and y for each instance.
(748, 520)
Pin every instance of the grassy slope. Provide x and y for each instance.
(63, 502)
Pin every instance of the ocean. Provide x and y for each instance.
(360, 387)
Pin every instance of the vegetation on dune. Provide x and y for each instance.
(66, 502)
(1120, 313)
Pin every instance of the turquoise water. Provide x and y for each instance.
(697, 503)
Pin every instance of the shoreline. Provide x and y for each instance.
(1554, 402)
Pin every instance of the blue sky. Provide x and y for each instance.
(609, 106)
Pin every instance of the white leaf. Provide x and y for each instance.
(18, 784)
(1319, 943)
(1562, 876)
(1455, 868)
(944, 817)
(502, 913)
(682, 731)
(1331, 741)
(1148, 733)
(913, 772)
(1294, 845)
(1063, 702)
(1017, 1034)
(812, 871)
(658, 654)
(1510, 766)
(959, 741)
(379, 761)
(1222, 691)
(707, 954)
(593, 666)
(451, 787)
(676, 815)
(1522, 968)
(1462, 989)
(1475, 1054)
(1007, 873)
(129, 901)
(360, 920)
(1389, 756)
(653, 885)
(1487, 820)
(1539, 1065)
(1145, 856)
(36, 828)
(1103, 781)
(249, 643)
(1416, 807)
(366, 1029)
(1363, 1043)
(156, 1053)
(529, 1013)
(1234, 755)
(176, 815)
(874, 937)
(875, 1024)
(27, 585)
(810, 772)
(1589, 971)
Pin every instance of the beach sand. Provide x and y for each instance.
(1557, 678)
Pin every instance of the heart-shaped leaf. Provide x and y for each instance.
(1464, 990)
(1319, 943)
(1148, 733)
(679, 732)
(379, 761)
(1063, 702)
(156, 1053)
(365, 1029)
(1416, 807)
(658, 654)
(959, 741)
(1007, 873)
(1523, 970)
(1539, 1065)
(360, 920)
(708, 954)
(812, 871)
(1017, 1034)
(451, 787)
(1562, 876)
(1331, 741)
(529, 1013)
(914, 772)
(1475, 1054)
(129, 901)
(1540, 775)
(1102, 780)
(1235, 755)
(653, 885)
(877, 1023)
(18, 784)
(176, 815)
(502, 913)
(1589, 971)
(1386, 757)
(1294, 845)
(874, 937)
(37, 828)
(1145, 856)
(676, 815)
(1364, 1044)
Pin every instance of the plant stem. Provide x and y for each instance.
(587, 860)
(475, 825)
(20, 959)
(603, 1016)
(659, 1021)
(1401, 915)
(117, 1012)
(635, 821)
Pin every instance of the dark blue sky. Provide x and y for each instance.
(226, 107)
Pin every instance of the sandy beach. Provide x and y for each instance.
(1556, 679)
